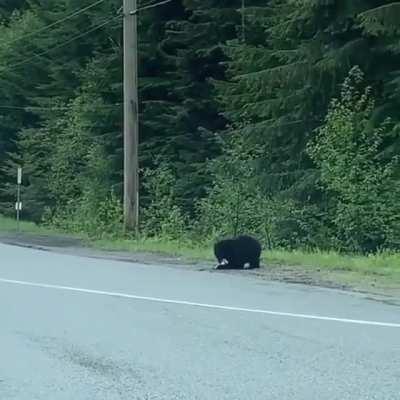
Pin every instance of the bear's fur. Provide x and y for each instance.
(236, 252)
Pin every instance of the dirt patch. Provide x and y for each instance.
(78, 247)
(40, 241)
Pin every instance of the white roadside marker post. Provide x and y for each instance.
(18, 204)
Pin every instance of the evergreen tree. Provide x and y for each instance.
(282, 79)
(266, 73)
(180, 111)
(7, 7)
(56, 62)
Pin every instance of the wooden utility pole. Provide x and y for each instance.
(131, 118)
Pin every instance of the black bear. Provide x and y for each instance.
(235, 253)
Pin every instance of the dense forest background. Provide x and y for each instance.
(282, 120)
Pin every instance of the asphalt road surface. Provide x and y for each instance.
(83, 329)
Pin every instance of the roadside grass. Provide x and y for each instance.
(382, 268)
(377, 264)
(377, 270)
(175, 248)
(9, 225)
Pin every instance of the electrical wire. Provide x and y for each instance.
(65, 108)
(148, 7)
(39, 55)
(55, 23)
(70, 16)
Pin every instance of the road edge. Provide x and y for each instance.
(78, 248)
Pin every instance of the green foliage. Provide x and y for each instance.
(383, 19)
(57, 107)
(237, 204)
(362, 179)
(234, 201)
(281, 80)
(203, 68)
(162, 217)
(80, 177)
(179, 110)
(90, 214)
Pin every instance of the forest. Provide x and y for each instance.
(279, 118)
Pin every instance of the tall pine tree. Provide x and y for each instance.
(282, 78)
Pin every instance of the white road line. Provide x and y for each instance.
(202, 305)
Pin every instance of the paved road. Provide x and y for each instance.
(104, 330)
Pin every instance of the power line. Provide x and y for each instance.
(47, 27)
(61, 108)
(76, 13)
(148, 7)
(39, 55)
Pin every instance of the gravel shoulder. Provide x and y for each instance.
(340, 280)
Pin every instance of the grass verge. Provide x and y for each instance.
(165, 247)
(381, 269)
(8, 225)
(381, 266)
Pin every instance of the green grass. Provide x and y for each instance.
(382, 268)
(164, 247)
(9, 225)
(360, 271)
(379, 264)
(379, 270)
